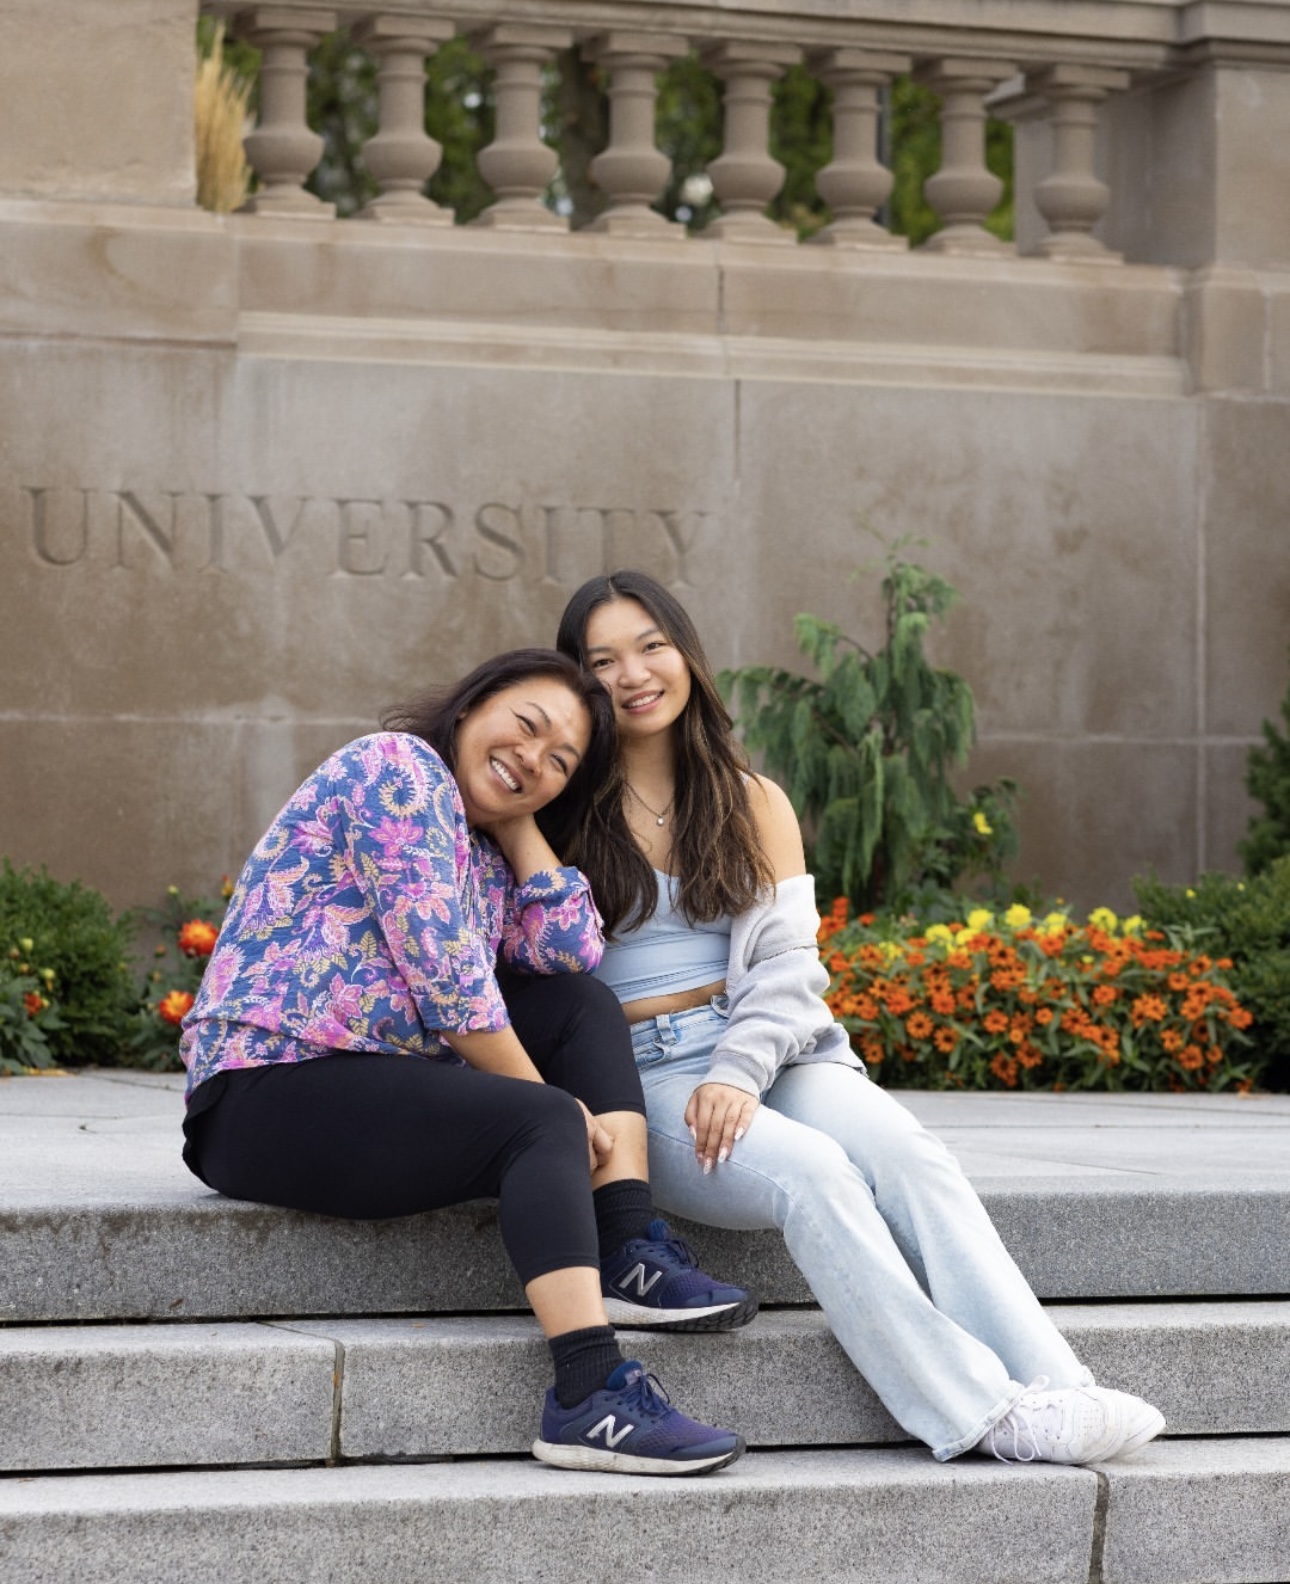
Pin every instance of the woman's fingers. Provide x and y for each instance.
(718, 1117)
(600, 1142)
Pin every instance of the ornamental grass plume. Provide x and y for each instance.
(1014, 1001)
(220, 111)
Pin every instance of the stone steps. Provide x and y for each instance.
(196, 1389)
(289, 1392)
(1178, 1512)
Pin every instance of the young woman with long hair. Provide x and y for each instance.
(759, 1113)
(399, 1015)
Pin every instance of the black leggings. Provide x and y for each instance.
(366, 1135)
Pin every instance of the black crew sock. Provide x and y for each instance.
(584, 1361)
(623, 1211)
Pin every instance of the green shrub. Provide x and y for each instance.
(185, 929)
(1267, 779)
(1247, 921)
(28, 1014)
(74, 936)
(1017, 1000)
(866, 753)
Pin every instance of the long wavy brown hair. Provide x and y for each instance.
(715, 847)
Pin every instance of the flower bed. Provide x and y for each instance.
(1015, 1001)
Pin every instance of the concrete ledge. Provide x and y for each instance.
(851, 1518)
(378, 1390)
(1217, 1511)
(138, 1396)
(1097, 1197)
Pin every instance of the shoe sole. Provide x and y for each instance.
(720, 1317)
(595, 1461)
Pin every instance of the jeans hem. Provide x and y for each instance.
(966, 1443)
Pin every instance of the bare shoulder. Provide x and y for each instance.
(781, 835)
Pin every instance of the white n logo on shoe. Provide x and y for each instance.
(637, 1275)
(608, 1429)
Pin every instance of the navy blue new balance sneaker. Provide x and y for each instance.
(630, 1427)
(654, 1281)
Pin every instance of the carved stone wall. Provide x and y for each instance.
(264, 474)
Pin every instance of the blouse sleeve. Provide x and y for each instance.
(408, 846)
(551, 924)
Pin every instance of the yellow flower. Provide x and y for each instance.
(1017, 916)
(1132, 925)
(941, 933)
(983, 825)
(1055, 922)
(1102, 918)
(1190, 892)
(979, 919)
(890, 949)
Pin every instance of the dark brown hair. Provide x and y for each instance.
(434, 716)
(715, 844)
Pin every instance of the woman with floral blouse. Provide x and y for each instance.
(399, 1015)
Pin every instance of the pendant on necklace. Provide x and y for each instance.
(661, 820)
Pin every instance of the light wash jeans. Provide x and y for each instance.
(879, 1218)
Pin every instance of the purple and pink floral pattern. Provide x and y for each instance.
(369, 918)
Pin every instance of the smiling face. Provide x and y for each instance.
(517, 750)
(647, 676)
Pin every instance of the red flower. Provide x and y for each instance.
(197, 938)
(34, 1003)
(173, 1006)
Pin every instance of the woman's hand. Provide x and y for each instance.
(718, 1116)
(600, 1144)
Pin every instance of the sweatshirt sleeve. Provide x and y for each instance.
(775, 988)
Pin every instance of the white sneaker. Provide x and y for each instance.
(1142, 1422)
(1082, 1424)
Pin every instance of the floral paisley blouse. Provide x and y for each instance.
(369, 918)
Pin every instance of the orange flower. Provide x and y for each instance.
(1005, 1069)
(1104, 995)
(872, 1051)
(1147, 1009)
(34, 1002)
(1191, 1058)
(174, 1005)
(995, 1022)
(919, 1026)
(197, 938)
(1044, 1016)
(945, 1040)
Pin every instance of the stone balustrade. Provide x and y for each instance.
(1078, 77)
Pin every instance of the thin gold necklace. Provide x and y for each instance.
(659, 819)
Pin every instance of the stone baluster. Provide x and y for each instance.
(517, 164)
(402, 156)
(963, 191)
(745, 177)
(282, 150)
(1071, 198)
(855, 184)
(632, 171)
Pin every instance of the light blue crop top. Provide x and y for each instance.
(666, 953)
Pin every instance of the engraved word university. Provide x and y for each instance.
(159, 531)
